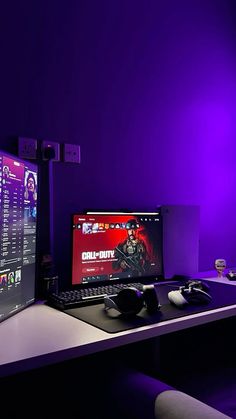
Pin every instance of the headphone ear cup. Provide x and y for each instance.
(151, 298)
(129, 301)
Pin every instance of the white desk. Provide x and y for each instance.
(40, 335)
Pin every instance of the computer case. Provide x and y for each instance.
(180, 239)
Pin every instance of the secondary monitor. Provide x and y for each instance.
(116, 246)
(18, 206)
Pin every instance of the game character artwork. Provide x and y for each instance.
(116, 247)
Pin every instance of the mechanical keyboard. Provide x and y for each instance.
(83, 297)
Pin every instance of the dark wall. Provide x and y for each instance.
(147, 88)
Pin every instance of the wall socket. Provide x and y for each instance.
(47, 144)
(27, 148)
(72, 153)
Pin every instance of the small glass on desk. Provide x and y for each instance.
(50, 284)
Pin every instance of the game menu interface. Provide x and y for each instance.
(108, 247)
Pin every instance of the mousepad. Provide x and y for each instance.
(222, 295)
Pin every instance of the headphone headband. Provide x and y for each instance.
(110, 303)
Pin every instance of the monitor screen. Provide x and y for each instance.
(115, 246)
(18, 206)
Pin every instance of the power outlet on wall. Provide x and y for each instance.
(72, 153)
(50, 148)
(27, 148)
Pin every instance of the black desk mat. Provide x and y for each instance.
(222, 295)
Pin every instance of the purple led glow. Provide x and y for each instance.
(148, 89)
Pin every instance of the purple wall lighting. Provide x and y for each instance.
(148, 90)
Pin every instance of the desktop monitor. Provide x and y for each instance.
(111, 247)
(18, 206)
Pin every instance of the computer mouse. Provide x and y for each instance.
(193, 296)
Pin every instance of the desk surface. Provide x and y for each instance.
(41, 335)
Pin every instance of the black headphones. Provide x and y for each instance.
(130, 301)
